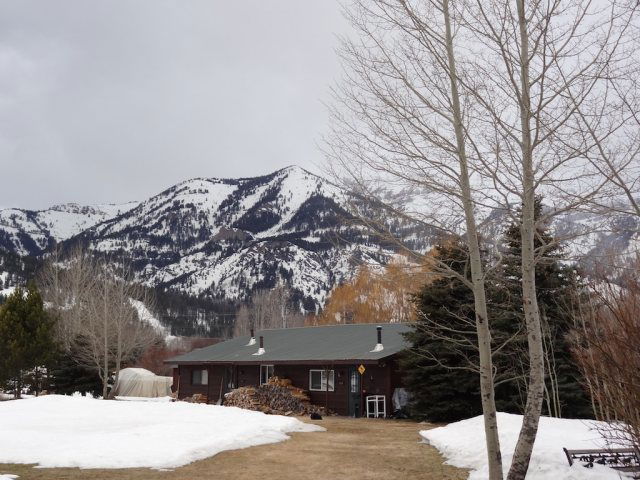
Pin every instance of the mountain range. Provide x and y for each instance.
(214, 238)
(221, 239)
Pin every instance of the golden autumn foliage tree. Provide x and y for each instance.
(374, 295)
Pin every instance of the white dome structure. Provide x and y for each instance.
(138, 382)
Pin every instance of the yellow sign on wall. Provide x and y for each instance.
(361, 369)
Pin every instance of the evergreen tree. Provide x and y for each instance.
(557, 286)
(442, 338)
(67, 377)
(436, 367)
(26, 336)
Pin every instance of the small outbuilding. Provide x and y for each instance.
(342, 367)
(139, 382)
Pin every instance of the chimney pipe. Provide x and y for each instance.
(252, 340)
(261, 349)
(379, 347)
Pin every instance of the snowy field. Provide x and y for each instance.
(63, 431)
(462, 444)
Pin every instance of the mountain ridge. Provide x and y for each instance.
(216, 238)
(220, 239)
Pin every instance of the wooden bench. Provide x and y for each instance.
(622, 459)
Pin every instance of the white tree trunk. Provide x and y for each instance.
(535, 392)
(494, 455)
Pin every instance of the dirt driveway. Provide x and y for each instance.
(353, 449)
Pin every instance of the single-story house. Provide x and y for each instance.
(339, 365)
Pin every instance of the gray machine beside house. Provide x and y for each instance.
(341, 366)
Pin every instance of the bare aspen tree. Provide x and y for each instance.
(76, 289)
(242, 323)
(401, 121)
(270, 308)
(96, 336)
(129, 301)
(558, 61)
(98, 322)
(66, 283)
(617, 144)
(59, 300)
(451, 110)
(259, 311)
(136, 334)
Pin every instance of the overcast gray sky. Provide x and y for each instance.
(110, 101)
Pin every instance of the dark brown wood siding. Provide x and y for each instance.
(299, 375)
(211, 390)
(175, 373)
(248, 375)
(379, 379)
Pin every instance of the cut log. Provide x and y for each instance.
(277, 396)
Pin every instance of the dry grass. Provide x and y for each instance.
(357, 449)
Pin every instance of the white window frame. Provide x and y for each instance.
(204, 376)
(354, 382)
(268, 376)
(323, 380)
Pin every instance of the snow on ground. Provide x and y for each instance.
(5, 292)
(144, 399)
(8, 476)
(462, 444)
(68, 220)
(63, 431)
(11, 396)
(147, 316)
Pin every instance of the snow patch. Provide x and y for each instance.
(145, 315)
(462, 444)
(5, 292)
(64, 431)
(145, 399)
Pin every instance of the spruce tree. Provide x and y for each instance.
(436, 366)
(67, 377)
(557, 285)
(26, 336)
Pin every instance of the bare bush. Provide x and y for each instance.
(605, 346)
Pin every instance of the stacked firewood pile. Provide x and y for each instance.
(278, 397)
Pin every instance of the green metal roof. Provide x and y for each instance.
(335, 342)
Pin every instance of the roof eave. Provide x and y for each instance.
(284, 362)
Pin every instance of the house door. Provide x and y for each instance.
(355, 394)
(229, 380)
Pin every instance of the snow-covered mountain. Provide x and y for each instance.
(217, 239)
(589, 239)
(32, 232)
(221, 239)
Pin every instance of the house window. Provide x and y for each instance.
(318, 380)
(266, 372)
(200, 377)
(355, 382)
